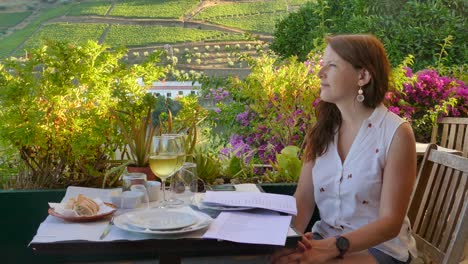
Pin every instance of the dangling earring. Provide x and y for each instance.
(360, 96)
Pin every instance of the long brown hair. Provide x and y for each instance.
(362, 52)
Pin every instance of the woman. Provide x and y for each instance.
(359, 164)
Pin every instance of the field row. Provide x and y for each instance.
(127, 35)
(175, 9)
(262, 23)
(141, 35)
(236, 9)
(137, 8)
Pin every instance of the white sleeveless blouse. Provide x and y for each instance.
(348, 194)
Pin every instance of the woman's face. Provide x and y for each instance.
(338, 78)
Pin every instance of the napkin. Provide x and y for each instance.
(61, 208)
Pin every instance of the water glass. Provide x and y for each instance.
(184, 183)
(132, 178)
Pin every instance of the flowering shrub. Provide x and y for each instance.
(271, 109)
(426, 96)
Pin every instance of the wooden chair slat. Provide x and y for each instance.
(444, 138)
(442, 204)
(430, 216)
(459, 139)
(454, 161)
(452, 133)
(448, 211)
(465, 144)
(421, 180)
(455, 211)
(456, 246)
(454, 120)
(420, 224)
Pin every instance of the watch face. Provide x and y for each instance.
(342, 243)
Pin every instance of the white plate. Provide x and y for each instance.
(157, 219)
(124, 222)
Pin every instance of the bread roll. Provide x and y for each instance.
(85, 206)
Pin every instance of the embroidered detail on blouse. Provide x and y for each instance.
(350, 176)
(365, 202)
(322, 189)
(376, 151)
(370, 125)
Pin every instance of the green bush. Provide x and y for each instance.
(411, 27)
(55, 110)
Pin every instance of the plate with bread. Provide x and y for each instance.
(82, 209)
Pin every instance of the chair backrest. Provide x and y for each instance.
(438, 208)
(454, 134)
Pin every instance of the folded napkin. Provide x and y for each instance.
(60, 208)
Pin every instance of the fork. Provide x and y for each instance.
(108, 227)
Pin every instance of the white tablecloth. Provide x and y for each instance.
(54, 229)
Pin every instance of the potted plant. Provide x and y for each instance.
(138, 122)
(137, 130)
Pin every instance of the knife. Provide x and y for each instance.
(108, 227)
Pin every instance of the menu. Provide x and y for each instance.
(270, 201)
(265, 227)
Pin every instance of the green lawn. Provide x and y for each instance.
(11, 19)
(76, 33)
(131, 35)
(153, 8)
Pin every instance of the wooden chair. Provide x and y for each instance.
(454, 134)
(438, 208)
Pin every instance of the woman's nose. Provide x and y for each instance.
(321, 73)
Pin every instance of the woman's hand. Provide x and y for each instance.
(285, 255)
(317, 251)
(309, 251)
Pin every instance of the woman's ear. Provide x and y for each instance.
(364, 77)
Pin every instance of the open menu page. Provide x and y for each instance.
(270, 201)
(256, 228)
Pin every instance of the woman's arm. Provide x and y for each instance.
(305, 200)
(305, 203)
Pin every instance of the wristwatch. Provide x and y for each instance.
(342, 244)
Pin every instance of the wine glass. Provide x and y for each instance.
(184, 183)
(164, 160)
(180, 139)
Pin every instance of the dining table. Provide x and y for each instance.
(422, 147)
(79, 241)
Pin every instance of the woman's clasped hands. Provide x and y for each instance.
(308, 251)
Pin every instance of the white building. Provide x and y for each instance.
(174, 89)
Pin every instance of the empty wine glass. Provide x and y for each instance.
(184, 183)
(164, 160)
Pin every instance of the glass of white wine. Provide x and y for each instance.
(164, 160)
(180, 141)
